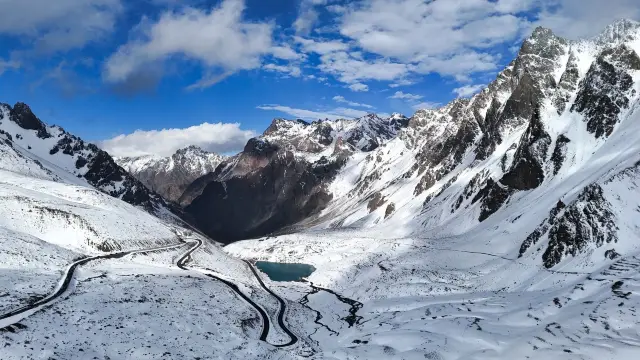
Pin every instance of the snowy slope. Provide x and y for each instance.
(559, 124)
(502, 226)
(68, 158)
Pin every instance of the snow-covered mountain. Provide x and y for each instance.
(281, 177)
(170, 176)
(65, 157)
(501, 226)
(549, 147)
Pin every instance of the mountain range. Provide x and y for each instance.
(170, 176)
(501, 225)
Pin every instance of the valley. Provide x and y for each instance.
(500, 225)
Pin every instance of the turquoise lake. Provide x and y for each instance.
(285, 271)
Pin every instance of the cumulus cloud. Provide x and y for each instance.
(359, 87)
(577, 19)
(468, 90)
(59, 25)
(405, 96)
(219, 138)
(219, 39)
(285, 52)
(305, 114)
(350, 69)
(341, 99)
(396, 30)
(307, 15)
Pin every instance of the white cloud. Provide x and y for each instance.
(321, 46)
(8, 65)
(61, 24)
(341, 99)
(359, 87)
(349, 69)
(285, 52)
(338, 113)
(425, 105)
(457, 31)
(290, 70)
(219, 138)
(468, 90)
(405, 96)
(401, 82)
(307, 16)
(219, 39)
(576, 19)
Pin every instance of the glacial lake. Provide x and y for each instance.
(285, 271)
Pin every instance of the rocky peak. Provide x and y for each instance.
(22, 115)
(260, 147)
(191, 149)
(622, 56)
(280, 124)
(619, 31)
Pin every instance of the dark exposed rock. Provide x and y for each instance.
(492, 197)
(527, 80)
(604, 92)
(527, 171)
(542, 229)
(559, 153)
(440, 155)
(376, 201)
(323, 134)
(611, 254)
(391, 208)
(470, 189)
(22, 115)
(284, 191)
(588, 220)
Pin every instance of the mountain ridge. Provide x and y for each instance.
(169, 176)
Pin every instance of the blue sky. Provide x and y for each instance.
(151, 76)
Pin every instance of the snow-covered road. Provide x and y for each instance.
(16, 315)
(181, 263)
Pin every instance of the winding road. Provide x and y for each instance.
(266, 324)
(281, 312)
(18, 314)
(15, 316)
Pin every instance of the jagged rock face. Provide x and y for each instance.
(22, 115)
(286, 190)
(527, 170)
(491, 197)
(170, 176)
(443, 136)
(281, 177)
(606, 89)
(364, 134)
(527, 81)
(559, 153)
(588, 220)
(568, 84)
(84, 160)
(542, 229)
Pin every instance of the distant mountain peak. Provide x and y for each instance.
(620, 30)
